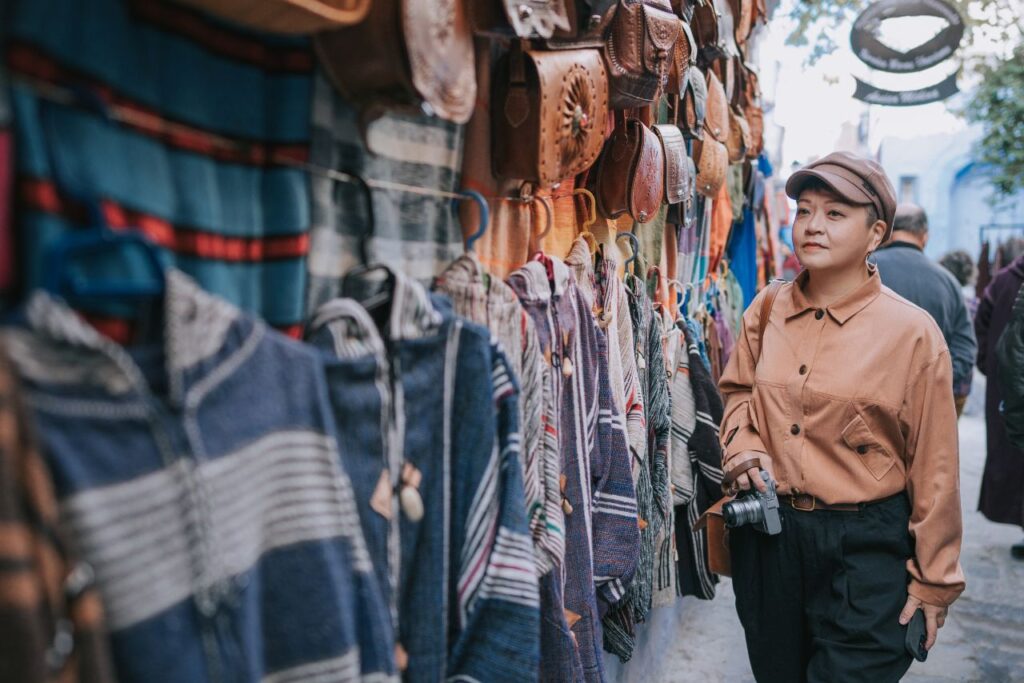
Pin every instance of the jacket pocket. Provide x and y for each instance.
(868, 448)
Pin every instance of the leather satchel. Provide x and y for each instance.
(629, 177)
(684, 58)
(712, 161)
(713, 28)
(717, 120)
(743, 16)
(549, 114)
(694, 106)
(685, 212)
(673, 148)
(407, 54)
(521, 18)
(753, 112)
(740, 140)
(638, 51)
(287, 16)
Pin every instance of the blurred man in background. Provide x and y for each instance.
(907, 271)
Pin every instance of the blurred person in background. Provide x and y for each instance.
(907, 271)
(960, 263)
(1002, 485)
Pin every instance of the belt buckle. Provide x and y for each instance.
(793, 503)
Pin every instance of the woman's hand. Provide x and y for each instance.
(752, 476)
(934, 618)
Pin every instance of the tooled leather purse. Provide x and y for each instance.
(684, 58)
(406, 54)
(712, 159)
(716, 121)
(713, 28)
(287, 16)
(638, 50)
(549, 114)
(673, 147)
(694, 105)
(629, 176)
(680, 212)
(522, 18)
(740, 140)
(753, 112)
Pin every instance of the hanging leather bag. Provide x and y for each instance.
(753, 112)
(638, 50)
(521, 18)
(712, 161)
(740, 140)
(743, 18)
(587, 22)
(287, 16)
(684, 58)
(716, 121)
(549, 114)
(694, 105)
(407, 54)
(673, 147)
(629, 177)
(719, 558)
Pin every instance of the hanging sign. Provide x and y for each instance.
(906, 98)
(870, 50)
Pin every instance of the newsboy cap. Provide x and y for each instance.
(856, 179)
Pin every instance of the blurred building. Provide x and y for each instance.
(940, 173)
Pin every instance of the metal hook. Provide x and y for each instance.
(680, 288)
(592, 217)
(550, 221)
(485, 215)
(634, 244)
(371, 221)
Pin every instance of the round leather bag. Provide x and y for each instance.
(712, 162)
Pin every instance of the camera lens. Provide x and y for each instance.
(740, 512)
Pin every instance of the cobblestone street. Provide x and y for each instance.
(983, 639)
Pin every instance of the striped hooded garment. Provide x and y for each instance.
(651, 474)
(601, 530)
(464, 576)
(695, 578)
(488, 301)
(201, 478)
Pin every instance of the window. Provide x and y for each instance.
(908, 189)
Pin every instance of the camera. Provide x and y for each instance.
(761, 510)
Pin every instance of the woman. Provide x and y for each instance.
(847, 404)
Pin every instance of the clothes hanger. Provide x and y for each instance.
(585, 233)
(634, 244)
(485, 216)
(550, 216)
(353, 283)
(67, 259)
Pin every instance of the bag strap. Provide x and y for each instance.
(774, 287)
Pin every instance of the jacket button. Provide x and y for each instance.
(794, 430)
(862, 449)
(819, 314)
(803, 369)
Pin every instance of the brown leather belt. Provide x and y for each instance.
(805, 502)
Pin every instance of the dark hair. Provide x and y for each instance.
(819, 185)
(960, 263)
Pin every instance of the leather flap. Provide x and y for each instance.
(688, 37)
(662, 29)
(712, 163)
(674, 149)
(717, 120)
(574, 107)
(713, 511)
(647, 177)
(695, 105)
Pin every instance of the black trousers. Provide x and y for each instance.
(820, 602)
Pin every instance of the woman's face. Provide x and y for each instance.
(830, 234)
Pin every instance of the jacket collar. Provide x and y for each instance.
(900, 244)
(843, 309)
(196, 328)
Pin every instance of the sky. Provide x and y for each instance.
(812, 102)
